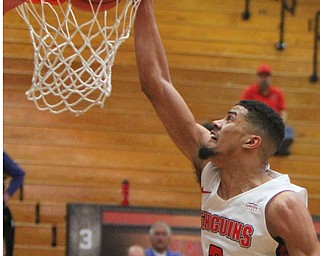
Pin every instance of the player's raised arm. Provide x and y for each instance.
(156, 84)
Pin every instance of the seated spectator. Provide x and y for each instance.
(10, 169)
(160, 235)
(263, 90)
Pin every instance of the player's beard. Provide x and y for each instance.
(206, 152)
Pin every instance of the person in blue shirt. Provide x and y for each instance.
(10, 169)
(159, 235)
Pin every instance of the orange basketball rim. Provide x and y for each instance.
(48, 1)
(101, 5)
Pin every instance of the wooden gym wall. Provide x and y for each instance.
(213, 55)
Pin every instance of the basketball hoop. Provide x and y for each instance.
(73, 59)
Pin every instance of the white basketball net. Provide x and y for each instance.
(72, 62)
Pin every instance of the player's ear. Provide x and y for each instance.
(252, 141)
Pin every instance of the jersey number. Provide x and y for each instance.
(215, 250)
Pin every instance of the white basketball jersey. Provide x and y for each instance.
(237, 226)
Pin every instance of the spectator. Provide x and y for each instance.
(263, 90)
(10, 168)
(136, 250)
(160, 235)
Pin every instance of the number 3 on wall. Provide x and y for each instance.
(85, 239)
(215, 250)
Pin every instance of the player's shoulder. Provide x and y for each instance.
(285, 200)
(283, 210)
(288, 218)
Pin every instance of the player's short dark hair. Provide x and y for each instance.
(264, 119)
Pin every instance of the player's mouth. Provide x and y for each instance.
(214, 136)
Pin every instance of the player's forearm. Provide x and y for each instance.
(156, 83)
(150, 54)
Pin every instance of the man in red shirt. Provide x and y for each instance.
(264, 91)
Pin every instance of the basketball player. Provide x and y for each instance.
(247, 209)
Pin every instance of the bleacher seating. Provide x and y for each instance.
(213, 55)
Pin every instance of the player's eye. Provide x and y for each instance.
(229, 117)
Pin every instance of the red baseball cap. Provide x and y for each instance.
(264, 69)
